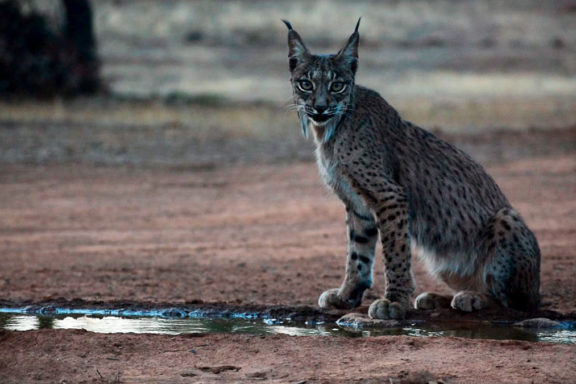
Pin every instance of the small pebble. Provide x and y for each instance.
(361, 321)
(540, 322)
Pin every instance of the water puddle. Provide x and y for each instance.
(160, 323)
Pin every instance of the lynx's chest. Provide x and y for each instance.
(333, 176)
(327, 168)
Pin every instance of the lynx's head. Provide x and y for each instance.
(322, 84)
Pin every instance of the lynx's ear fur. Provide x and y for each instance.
(297, 51)
(349, 54)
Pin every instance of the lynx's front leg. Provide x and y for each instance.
(392, 216)
(389, 206)
(362, 236)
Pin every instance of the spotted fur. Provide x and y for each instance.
(421, 194)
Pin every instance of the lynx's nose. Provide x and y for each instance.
(320, 109)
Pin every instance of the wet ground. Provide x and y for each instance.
(255, 235)
(293, 321)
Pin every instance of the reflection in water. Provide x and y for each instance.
(494, 332)
(174, 326)
(45, 322)
(21, 323)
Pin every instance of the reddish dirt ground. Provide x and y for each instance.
(262, 234)
(53, 356)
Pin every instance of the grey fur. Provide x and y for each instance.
(425, 197)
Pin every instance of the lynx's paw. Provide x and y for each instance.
(468, 301)
(330, 299)
(429, 300)
(386, 309)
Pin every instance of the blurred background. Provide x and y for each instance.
(147, 151)
(203, 83)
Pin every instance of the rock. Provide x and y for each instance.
(218, 370)
(540, 322)
(257, 375)
(360, 321)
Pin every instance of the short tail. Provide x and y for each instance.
(525, 302)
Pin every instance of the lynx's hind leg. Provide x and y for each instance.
(470, 301)
(430, 300)
(512, 271)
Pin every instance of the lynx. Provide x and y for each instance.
(422, 195)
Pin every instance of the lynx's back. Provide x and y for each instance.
(449, 194)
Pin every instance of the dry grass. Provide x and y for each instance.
(206, 122)
(202, 122)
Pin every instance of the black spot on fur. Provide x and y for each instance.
(371, 232)
(357, 292)
(360, 239)
(364, 259)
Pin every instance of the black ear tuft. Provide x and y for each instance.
(288, 24)
(355, 30)
(297, 51)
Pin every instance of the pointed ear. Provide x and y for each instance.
(297, 51)
(349, 54)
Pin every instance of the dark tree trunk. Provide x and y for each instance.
(38, 61)
(79, 31)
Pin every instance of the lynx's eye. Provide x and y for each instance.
(337, 87)
(305, 85)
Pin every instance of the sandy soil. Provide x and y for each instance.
(258, 234)
(78, 357)
(261, 234)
